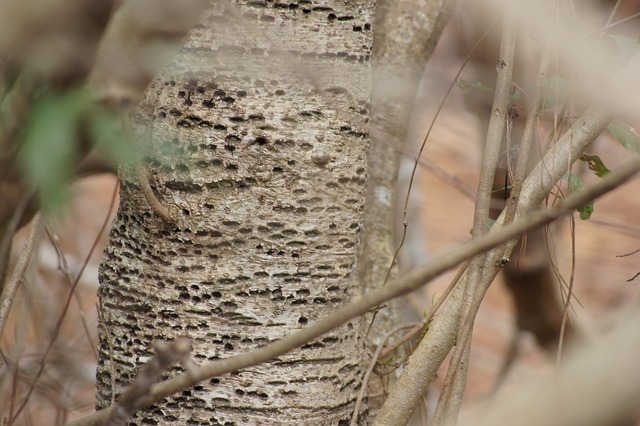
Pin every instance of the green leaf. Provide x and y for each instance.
(595, 165)
(586, 210)
(466, 85)
(110, 138)
(49, 149)
(628, 45)
(625, 134)
(575, 183)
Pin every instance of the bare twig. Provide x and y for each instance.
(450, 399)
(167, 353)
(432, 312)
(63, 266)
(399, 287)
(565, 310)
(431, 352)
(13, 283)
(419, 155)
(161, 210)
(7, 233)
(628, 254)
(372, 364)
(58, 326)
(382, 351)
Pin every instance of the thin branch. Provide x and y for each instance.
(13, 283)
(167, 353)
(628, 254)
(417, 375)
(565, 310)
(63, 267)
(167, 214)
(607, 27)
(8, 233)
(452, 285)
(450, 399)
(410, 282)
(419, 156)
(372, 364)
(58, 326)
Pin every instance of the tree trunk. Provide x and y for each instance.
(258, 141)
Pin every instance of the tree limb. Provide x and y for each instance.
(399, 287)
(451, 397)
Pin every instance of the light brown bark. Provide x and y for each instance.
(258, 138)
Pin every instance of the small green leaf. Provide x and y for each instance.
(586, 210)
(49, 149)
(575, 183)
(110, 138)
(595, 165)
(625, 134)
(466, 85)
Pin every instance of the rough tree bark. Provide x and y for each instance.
(258, 138)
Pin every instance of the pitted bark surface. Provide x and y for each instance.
(258, 139)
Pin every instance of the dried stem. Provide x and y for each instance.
(9, 292)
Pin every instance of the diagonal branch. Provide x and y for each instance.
(420, 372)
(397, 288)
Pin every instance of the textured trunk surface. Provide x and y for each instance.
(258, 139)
